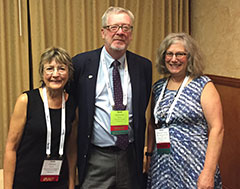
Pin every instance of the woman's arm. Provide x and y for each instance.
(16, 128)
(72, 152)
(150, 137)
(212, 110)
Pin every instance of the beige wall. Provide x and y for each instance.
(215, 24)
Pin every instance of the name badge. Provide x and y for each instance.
(119, 122)
(162, 140)
(50, 170)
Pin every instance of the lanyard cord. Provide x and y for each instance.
(174, 101)
(125, 84)
(48, 124)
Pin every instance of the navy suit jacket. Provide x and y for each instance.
(84, 88)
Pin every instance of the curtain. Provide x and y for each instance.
(74, 25)
(14, 70)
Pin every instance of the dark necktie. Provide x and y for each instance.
(122, 140)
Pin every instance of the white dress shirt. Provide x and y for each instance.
(101, 135)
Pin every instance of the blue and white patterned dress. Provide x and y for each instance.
(188, 137)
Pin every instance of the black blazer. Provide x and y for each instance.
(84, 87)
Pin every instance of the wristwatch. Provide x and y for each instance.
(148, 154)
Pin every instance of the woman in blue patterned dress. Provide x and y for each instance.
(185, 133)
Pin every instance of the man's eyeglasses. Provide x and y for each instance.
(115, 28)
(178, 55)
(50, 70)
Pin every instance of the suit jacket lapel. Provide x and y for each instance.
(91, 79)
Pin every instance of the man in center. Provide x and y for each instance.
(112, 87)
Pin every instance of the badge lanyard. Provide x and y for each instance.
(48, 123)
(174, 101)
(125, 84)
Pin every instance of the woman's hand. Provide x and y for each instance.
(205, 180)
(147, 164)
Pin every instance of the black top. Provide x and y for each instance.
(32, 149)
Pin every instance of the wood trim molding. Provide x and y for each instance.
(227, 81)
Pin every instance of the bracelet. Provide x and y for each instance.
(148, 154)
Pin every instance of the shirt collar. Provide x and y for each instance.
(109, 59)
